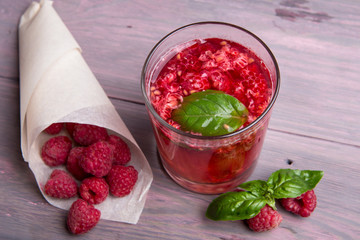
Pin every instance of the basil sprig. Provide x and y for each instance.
(284, 183)
(210, 113)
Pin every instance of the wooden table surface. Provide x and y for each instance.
(315, 122)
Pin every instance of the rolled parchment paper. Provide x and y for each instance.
(57, 85)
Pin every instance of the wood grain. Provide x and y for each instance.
(314, 123)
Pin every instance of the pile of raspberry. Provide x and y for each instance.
(96, 166)
(268, 218)
(212, 64)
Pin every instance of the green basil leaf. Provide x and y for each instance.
(210, 113)
(256, 187)
(260, 188)
(235, 206)
(289, 183)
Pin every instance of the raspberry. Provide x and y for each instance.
(220, 81)
(267, 219)
(60, 185)
(70, 127)
(194, 82)
(54, 128)
(121, 180)
(72, 163)
(122, 153)
(97, 159)
(165, 105)
(303, 205)
(253, 89)
(56, 150)
(94, 190)
(82, 217)
(86, 134)
(226, 163)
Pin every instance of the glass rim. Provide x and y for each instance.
(237, 132)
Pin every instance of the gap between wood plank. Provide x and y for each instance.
(313, 137)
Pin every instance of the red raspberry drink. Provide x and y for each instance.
(183, 65)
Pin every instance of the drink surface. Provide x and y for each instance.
(215, 64)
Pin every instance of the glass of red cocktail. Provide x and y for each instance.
(210, 56)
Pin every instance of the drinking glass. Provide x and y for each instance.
(208, 164)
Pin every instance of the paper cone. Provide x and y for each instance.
(56, 85)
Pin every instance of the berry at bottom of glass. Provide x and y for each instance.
(215, 164)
